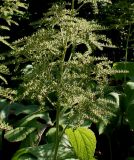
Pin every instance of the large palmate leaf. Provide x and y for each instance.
(83, 141)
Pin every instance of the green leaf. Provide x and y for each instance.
(18, 134)
(39, 152)
(4, 27)
(127, 66)
(129, 91)
(45, 152)
(3, 40)
(26, 156)
(50, 135)
(27, 119)
(31, 140)
(83, 141)
(17, 108)
(130, 115)
(19, 154)
(3, 79)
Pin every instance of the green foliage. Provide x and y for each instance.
(86, 144)
(94, 4)
(83, 141)
(125, 103)
(3, 70)
(7, 93)
(18, 134)
(4, 126)
(63, 79)
(127, 67)
(76, 82)
(120, 17)
(45, 152)
(8, 10)
(129, 90)
(130, 113)
(16, 108)
(27, 129)
(120, 14)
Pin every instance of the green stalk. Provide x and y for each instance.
(126, 54)
(57, 133)
(80, 6)
(73, 5)
(72, 50)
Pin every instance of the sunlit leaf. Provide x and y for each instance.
(83, 141)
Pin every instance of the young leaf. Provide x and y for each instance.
(83, 141)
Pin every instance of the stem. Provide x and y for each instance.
(72, 50)
(72, 5)
(57, 134)
(126, 54)
(80, 6)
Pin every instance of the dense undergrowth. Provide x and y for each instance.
(67, 80)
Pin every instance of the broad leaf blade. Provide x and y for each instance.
(83, 141)
(27, 119)
(18, 134)
(45, 152)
